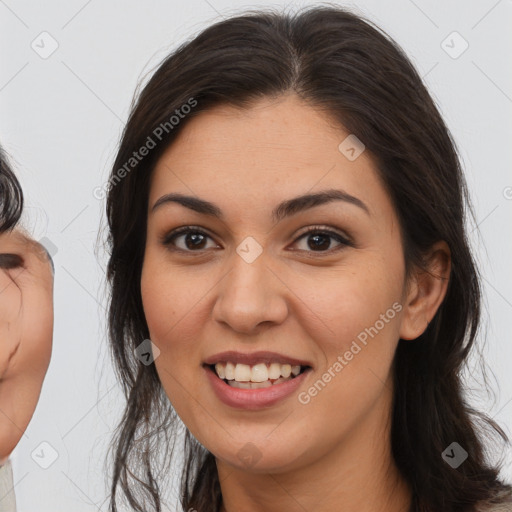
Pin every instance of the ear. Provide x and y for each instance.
(426, 291)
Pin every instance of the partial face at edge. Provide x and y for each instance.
(307, 296)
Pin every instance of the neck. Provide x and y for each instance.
(359, 474)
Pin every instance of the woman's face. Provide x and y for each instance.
(246, 281)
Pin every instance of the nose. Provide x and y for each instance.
(250, 297)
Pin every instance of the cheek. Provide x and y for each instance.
(360, 310)
(170, 304)
(361, 314)
(349, 303)
(173, 312)
(170, 309)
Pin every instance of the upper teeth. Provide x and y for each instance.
(258, 373)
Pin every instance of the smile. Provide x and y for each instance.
(250, 395)
(261, 375)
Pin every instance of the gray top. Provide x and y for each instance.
(7, 499)
(504, 507)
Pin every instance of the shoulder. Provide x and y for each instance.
(5, 476)
(7, 501)
(501, 502)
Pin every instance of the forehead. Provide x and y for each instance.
(276, 149)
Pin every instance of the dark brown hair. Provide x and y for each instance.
(11, 195)
(350, 69)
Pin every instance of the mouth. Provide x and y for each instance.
(257, 376)
(255, 381)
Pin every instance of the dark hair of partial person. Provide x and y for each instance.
(354, 73)
(11, 195)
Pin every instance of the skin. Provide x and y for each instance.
(294, 299)
(26, 329)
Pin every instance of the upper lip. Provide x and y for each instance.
(253, 358)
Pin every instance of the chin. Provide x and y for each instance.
(259, 458)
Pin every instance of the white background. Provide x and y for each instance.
(61, 119)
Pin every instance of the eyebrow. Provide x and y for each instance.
(285, 209)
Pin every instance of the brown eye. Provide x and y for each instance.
(320, 240)
(187, 239)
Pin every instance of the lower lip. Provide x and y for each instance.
(253, 398)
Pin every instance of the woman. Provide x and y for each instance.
(291, 278)
(26, 323)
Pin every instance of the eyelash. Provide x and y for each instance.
(168, 239)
